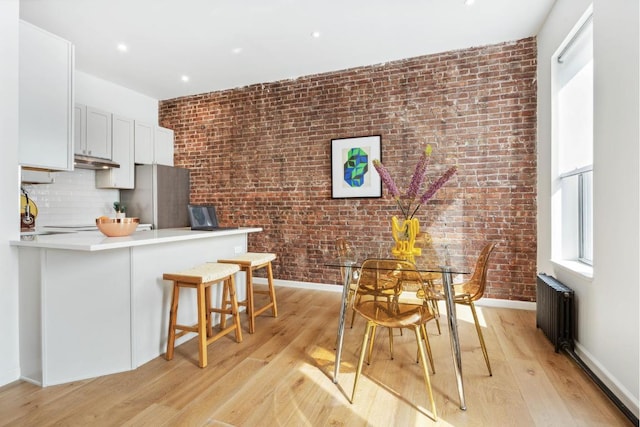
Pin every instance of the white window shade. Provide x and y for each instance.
(574, 78)
(576, 53)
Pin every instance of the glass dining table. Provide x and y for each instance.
(442, 259)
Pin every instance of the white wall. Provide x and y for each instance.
(72, 199)
(9, 187)
(608, 321)
(99, 93)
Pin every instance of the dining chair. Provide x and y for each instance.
(433, 281)
(425, 242)
(344, 249)
(469, 291)
(380, 286)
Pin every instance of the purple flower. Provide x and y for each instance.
(418, 175)
(439, 183)
(406, 202)
(386, 179)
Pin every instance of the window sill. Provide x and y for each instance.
(579, 269)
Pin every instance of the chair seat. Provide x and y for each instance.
(203, 273)
(251, 258)
(398, 316)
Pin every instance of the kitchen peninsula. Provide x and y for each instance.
(92, 305)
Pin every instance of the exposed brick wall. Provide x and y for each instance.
(262, 154)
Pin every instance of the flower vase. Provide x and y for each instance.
(404, 234)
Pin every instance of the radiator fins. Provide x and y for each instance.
(554, 311)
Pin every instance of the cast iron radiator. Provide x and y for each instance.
(554, 311)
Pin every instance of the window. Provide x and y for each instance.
(573, 147)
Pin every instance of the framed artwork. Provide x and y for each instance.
(352, 171)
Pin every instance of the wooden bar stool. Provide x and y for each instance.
(249, 262)
(201, 278)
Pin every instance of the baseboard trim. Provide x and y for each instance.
(484, 302)
(506, 303)
(623, 394)
(9, 376)
(300, 285)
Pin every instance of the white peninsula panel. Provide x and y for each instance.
(75, 309)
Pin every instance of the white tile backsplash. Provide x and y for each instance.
(72, 199)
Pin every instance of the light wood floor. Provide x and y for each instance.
(281, 376)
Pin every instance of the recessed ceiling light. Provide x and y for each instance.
(184, 78)
(122, 47)
(315, 34)
(237, 50)
(469, 2)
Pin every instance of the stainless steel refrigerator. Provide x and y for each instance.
(160, 196)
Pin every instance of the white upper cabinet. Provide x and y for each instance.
(92, 132)
(143, 143)
(163, 146)
(46, 100)
(153, 144)
(123, 153)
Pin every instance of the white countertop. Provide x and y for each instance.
(96, 241)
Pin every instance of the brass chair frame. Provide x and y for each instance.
(343, 250)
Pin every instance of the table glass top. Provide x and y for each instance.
(434, 256)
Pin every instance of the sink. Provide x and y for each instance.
(43, 233)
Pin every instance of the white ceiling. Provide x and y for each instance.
(167, 39)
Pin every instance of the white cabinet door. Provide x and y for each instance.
(143, 143)
(46, 99)
(154, 144)
(98, 133)
(92, 132)
(163, 151)
(123, 153)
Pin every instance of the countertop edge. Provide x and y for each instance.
(96, 241)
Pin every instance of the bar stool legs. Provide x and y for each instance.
(249, 262)
(173, 314)
(251, 292)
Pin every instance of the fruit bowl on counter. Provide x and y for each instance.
(117, 227)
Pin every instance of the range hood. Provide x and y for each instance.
(96, 163)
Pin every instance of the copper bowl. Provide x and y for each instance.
(117, 227)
